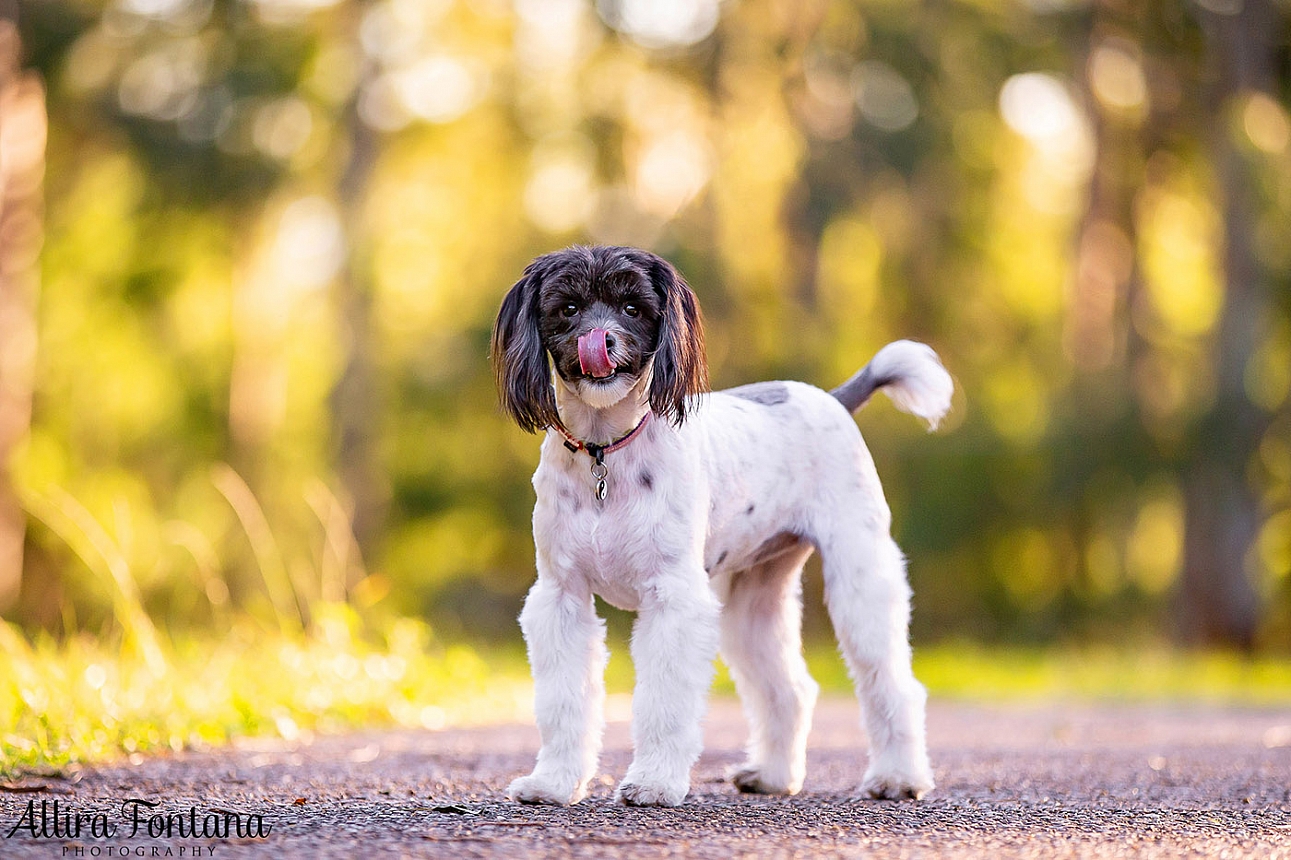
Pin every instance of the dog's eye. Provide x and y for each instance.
(569, 310)
(631, 310)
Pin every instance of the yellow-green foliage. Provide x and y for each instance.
(238, 224)
(86, 699)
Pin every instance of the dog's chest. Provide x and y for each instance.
(616, 545)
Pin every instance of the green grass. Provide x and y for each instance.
(1152, 673)
(86, 699)
(89, 700)
(308, 663)
(314, 664)
(1014, 674)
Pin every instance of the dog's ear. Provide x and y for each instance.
(680, 369)
(518, 356)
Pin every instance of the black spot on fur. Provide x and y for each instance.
(750, 510)
(647, 480)
(765, 393)
(721, 558)
(570, 500)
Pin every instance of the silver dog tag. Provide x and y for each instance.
(599, 471)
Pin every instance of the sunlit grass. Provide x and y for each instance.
(314, 663)
(1152, 674)
(1018, 674)
(89, 700)
(311, 663)
(1155, 673)
(85, 700)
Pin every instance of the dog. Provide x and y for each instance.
(697, 510)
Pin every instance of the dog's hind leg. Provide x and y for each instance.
(869, 603)
(762, 645)
(567, 655)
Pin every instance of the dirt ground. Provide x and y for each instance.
(1016, 781)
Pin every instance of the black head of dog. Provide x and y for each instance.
(609, 318)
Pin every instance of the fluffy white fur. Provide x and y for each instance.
(704, 533)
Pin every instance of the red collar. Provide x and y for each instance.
(598, 452)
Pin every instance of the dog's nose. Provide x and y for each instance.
(609, 341)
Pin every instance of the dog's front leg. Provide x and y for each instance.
(566, 642)
(674, 643)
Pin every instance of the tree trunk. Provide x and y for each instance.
(1098, 332)
(1218, 604)
(355, 398)
(22, 165)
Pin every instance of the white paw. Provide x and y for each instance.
(897, 784)
(651, 793)
(536, 789)
(752, 779)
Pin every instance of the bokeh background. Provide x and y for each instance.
(250, 253)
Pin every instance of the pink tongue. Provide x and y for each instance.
(593, 357)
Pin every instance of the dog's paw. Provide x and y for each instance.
(535, 789)
(651, 793)
(752, 779)
(897, 785)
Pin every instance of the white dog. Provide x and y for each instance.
(697, 511)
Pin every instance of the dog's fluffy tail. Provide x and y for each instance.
(912, 376)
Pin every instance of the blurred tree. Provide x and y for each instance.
(22, 168)
(278, 230)
(356, 407)
(1107, 275)
(1223, 513)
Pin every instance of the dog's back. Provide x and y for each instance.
(780, 456)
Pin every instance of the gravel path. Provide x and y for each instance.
(1070, 781)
